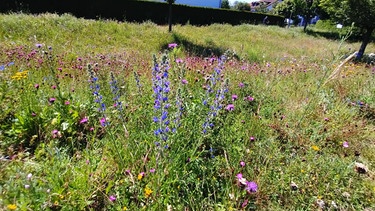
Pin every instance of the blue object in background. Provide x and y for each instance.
(201, 3)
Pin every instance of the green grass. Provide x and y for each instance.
(288, 126)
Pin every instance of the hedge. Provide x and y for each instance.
(138, 11)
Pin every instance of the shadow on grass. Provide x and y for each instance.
(334, 35)
(193, 49)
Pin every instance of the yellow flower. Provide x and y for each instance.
(316, 148)
(124, 208)
(148, 192)
(19, 75)
(56, 203)
(140, 175)
(12, 206)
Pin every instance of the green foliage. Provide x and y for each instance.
(272, 120)
(292, 8)
(225, 4)
(242, 6)
(357, 12)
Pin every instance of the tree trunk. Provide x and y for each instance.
(305, 23)
(365, 40)
(170, 17)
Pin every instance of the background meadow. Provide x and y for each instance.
(107, 115)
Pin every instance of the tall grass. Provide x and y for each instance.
(232, 118)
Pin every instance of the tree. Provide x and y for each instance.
(225, 4)
(292, 8)
(242, 6)
(359, 12)
(170, 2)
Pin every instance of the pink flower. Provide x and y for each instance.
(326, 119)
(230, 107)
(36, 86)
(102, 121)
(239, 176)
(84, 120)
(241, 85)
(345, 144)
(179, 60)
(152, 170)
(184, 81)
(241, 179)
(242, 164)
(172, 45)
(252, 138)
(112, 198)
(52, 99)
(244, 204)
(234, 97)
(249, 98)
(53, 87)
(67, 103)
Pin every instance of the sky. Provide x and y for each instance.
(231, 2)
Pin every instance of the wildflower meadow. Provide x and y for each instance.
(107, 115)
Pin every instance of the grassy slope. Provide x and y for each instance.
(285, 81)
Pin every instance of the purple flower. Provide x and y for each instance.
(230, 107)
(234, 97)
(112, 198)
(251, 187)
(52, 99)
(345, 144)
(102, 121)
(38, 45)
(184, 81)
(84, 120)
(241, 85)
(172, 45)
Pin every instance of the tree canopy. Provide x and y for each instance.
(359, 12)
